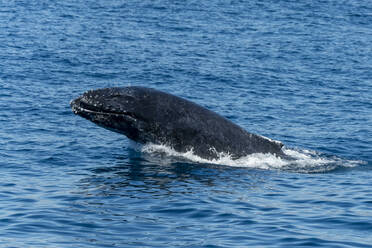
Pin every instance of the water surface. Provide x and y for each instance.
(293, 71)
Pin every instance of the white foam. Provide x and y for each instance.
(305, 161)
(271, 140)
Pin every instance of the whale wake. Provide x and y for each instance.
(298, 160)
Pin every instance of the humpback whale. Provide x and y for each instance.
(147, 115)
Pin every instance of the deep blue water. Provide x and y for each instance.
(295, 71)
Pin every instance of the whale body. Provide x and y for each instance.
(147, 115)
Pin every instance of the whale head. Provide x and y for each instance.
(121, 109)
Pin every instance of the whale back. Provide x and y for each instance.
(185, 125)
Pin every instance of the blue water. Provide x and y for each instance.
(295, 71)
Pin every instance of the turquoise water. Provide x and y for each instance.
(295, 71)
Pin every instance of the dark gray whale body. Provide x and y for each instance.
(148, 115)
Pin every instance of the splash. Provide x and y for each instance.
(301, 161)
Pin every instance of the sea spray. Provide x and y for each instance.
(302, 161)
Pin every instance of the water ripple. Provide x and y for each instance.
(295, 71)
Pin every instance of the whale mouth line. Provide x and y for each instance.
(80, 106)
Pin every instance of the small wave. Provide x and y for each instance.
(301, 161)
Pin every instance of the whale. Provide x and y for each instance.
(147, 115)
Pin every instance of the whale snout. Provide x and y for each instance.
(109, 108)
(75, 105)
(107, 100)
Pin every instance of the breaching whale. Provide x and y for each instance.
(146, 115)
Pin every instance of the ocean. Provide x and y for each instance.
(295, 71)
